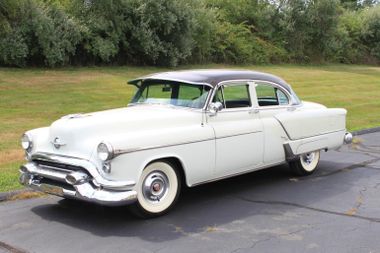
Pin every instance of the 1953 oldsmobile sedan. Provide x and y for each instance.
(181, 128)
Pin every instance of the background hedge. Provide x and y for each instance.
(172, 32)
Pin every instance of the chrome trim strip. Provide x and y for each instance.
(98, 175)
(235, 135)
(318, 135)
(124, 151)
(239, 109)
(132, 150)
(275, 107)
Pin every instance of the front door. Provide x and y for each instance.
(238, 130)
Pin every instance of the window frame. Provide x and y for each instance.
(252, 88)
(234, 83)
(274, 85)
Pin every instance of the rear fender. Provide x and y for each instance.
(314, 122)
(311, 130)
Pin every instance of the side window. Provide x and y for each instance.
(282, 98)
(268, 95)
(236, 96)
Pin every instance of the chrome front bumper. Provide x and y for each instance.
(81, 184)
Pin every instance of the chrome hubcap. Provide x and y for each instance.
(308, 158)
(155, 186)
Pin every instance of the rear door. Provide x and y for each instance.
(272, 100)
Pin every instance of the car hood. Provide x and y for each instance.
(79, 134)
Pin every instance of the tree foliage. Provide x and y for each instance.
(172, 32)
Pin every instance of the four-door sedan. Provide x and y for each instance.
(181, 128)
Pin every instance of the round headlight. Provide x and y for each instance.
(26, 142)
(105, 151)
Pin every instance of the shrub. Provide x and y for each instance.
(38, 34)
(13, 49)
(371, 32)
(348, 36)
(172, 32)
(161, 31)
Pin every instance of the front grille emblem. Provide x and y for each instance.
(57, 143)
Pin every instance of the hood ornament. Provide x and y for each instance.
(57, 143)
(75, 116)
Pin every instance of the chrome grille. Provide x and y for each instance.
(65, 168)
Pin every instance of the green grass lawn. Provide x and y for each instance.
(35, 97)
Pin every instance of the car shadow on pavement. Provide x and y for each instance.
(202, 209)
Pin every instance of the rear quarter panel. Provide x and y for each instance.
(314, 128)
(308, 123)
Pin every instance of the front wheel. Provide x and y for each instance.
(306, 164)
(157, 190)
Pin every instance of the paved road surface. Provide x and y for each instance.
(335, 210)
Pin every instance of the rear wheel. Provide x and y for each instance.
(157, 191)
(306, 164)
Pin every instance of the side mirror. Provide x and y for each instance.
(214, 108)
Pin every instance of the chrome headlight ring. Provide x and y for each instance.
(26, 142)
(105, 151)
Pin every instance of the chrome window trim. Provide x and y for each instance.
(292, 102)
(287, 94)
(224, 98)
(238, 109)
(234, 83)
(273, 107)
(245, 83)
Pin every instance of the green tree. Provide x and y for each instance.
(371, 33)
(296, 29)
(324, 18)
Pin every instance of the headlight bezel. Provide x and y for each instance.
(105, 151)
(26, 142)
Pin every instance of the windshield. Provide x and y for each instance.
(173, 93)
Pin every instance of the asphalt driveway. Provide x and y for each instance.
(335, 210)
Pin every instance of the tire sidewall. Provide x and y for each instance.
(313, 165)
(298, 168)
(148, 209)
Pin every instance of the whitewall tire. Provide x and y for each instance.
(306, 164)
(157, 190)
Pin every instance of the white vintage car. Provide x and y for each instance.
(181, 128)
